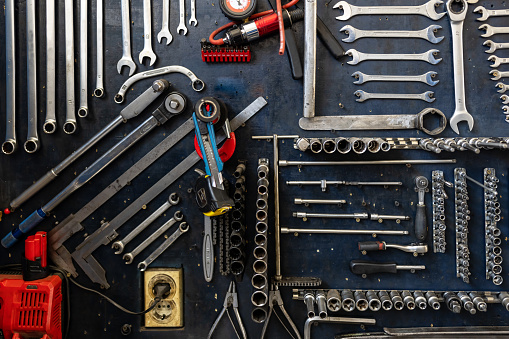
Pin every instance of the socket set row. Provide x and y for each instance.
(462, 216)
(492, 232)
(375, 300)
(438, 197)
(238, 225)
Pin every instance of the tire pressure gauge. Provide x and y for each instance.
(238, 10)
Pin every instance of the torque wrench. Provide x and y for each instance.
(131, 111)
(486, 13)
(32, 143)
(364, 268)
(70, 119)
(173, 200)
(50, 123)
(426, 78)
(10, 144)
(363, 96)
(127, 58)
(374, 233)
(382, 246)
(165, 29)
(99, 83)
(491, 30)
(426, 34)
(182, 17)
(83, 110)
(495, 45)
(147, 51)
(428, 9)
(358, 57)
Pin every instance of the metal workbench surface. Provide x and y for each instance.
(238, 84)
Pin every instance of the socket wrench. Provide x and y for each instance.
(70, 119)
(428, 9)
(426, 34)
(99, 82)
(127, 58)
(426, 78)
(363, 96)
(10, 144)
(358, 57)
(147, 51)
(83, 110)
(32, 143)
(50, 123)
(165, 28)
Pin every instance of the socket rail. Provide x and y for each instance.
(492, 232)
(238, 225)
(438, 196)
(462, 216)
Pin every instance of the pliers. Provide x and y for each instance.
(275, 299)
(231, 299)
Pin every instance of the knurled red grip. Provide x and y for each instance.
(371, 246)
(369, 267)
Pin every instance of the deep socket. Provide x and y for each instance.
(385, 300)
(397, 301)
(309, 300)
(408, 300)
(361, 303)
(479, 302)
(433, 300)
(321, 304)
(373, 301)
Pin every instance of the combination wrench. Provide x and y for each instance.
(183, 228)
(193, 21)
(363, 96)
(490, 30)
(50, 123)
(129, 257)
(182, 16)
(172, 201)
(495, 45)
(503, 87)
(497, 61)
(165, 29)
(426, 78)
(99, 82)
(83, 110)
(426, 34)
(505, 99)
(70, 119)
(460, 112)
(486, 13)
(358, 57)
(428, 9)
(497, 75)
(10, 144)
(32, 143)
(127, 58)
(147, 51)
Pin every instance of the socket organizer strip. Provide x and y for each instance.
(438, 197)
(223, 224)
(335, 300)
(374, 145)
(260, 280)
(492, 232)
(462, 216)
(238, 225)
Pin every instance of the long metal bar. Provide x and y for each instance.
(99, 85)
(10, 145)
(310, 22)
(83, 110)
(286, 230)
(70, 116)
(32, 143)
(338, 320)
(300, 201)
(370, 162)
(50, 123)
(276, 208)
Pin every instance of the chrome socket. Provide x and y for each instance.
(309, 301)
(433, 301)
(333, 301)
(386, 301)
(397, 301)
(373, 301)
(348, 300)
(361, 303)
(408, 300)
(321, 303)
(420, 300)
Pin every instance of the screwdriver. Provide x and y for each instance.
(364, 268)
(366, 246)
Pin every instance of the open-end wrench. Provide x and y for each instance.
(495, 45)
(497, 61)
(127, 59)
(182, 17)
(490, 30)
(70, 118)
(505, 99)
(358, 57)
(486, 13)
(83, 110)
(32, 143)
(173, 200)
(426, 78)
(165, 29)
(50, 123)
(129, 257)
(363, 96)
(503, 87)
(99, 82)
(10, 144)
(426, 34)
(428, 9)
(497, 75)
(183, 228)
(147, 51)
(505, 110)
(460, 112)
(193, 21)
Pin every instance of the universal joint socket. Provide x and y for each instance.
(333, 301)
(321, 303)
(433, 300)
(348, 300)
(309, 300)
(467, 303)
(453, 302)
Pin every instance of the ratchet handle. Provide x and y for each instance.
(371, 246)
(421, 226)
(362, 267)
(26, 226)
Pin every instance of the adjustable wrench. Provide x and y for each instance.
(172, 201)
(428, 9)
(99, 83)
(460, 113)
(182, 16)
(147, 34)
(490, 30)
(127, 59)
(426, 34)
(83, 110)
(70, 119)
(129, 257)
(363, 96)
(358, 57)
(193, 21)
(165, 29)
(503, 87)
(50, 124)
(497, 74)
(426, 78)
(497, 61)
(486, 13)
(183, 228)
(495, 45)
(10, 145)
(32, 143)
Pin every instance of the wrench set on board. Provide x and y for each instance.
(378, 207)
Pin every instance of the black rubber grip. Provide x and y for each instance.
(329, 40)
(293, 54)
(371, 246)
(370, 267)
(421, 225)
